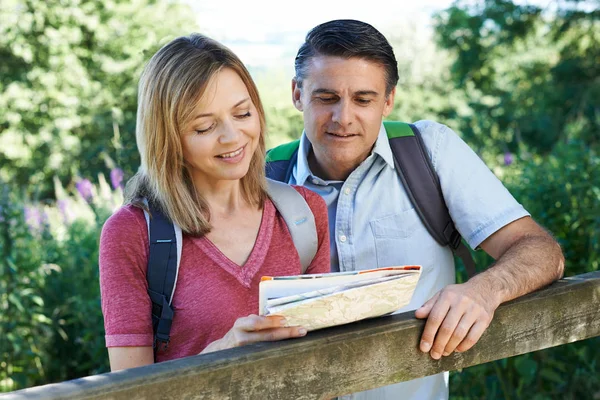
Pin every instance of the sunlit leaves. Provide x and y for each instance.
(66, 66)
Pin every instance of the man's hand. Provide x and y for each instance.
(527, 258)
(456, 316)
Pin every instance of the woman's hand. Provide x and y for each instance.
(254, 328)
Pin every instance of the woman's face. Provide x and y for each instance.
(220, 141)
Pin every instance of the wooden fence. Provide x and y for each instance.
(348, 358)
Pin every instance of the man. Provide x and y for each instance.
(345, 83)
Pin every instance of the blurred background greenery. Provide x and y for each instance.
(520, 84)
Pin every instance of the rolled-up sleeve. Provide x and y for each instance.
(478, 202)
(125, 302)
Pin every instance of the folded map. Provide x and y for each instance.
(321, 300)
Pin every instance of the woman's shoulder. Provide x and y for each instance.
(124, 234)
(315, 201)
(306, 193)
(127, 218)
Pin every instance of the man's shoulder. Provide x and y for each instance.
(431, 129)
(283, 152)
(435, 137)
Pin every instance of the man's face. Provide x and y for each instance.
(343, 102)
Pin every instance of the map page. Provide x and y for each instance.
(322, 300)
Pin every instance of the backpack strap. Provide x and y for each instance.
(422, 184)
(278, 165)
(166, 245)
(298, 217)
(163, 268)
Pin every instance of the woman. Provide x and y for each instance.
(200, 133)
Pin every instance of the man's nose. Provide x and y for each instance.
(342, 113)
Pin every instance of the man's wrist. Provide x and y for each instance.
(489, 287)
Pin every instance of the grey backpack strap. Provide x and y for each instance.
(298, 217)
(422, 185)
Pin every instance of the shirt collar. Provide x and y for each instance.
(382, 149)
(302, 168)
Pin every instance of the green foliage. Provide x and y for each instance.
(24, 327)
(284, 122)
(527, 75)
(562, 191)
(530, 81)
(50, 314)
(565, 372)
(509, 78)
(68, 83)
(425, 89)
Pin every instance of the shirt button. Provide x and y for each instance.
(343, 238)
(347, 191)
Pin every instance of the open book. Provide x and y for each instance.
(321, 300)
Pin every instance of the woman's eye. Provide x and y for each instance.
(202, 131)
(246, 115)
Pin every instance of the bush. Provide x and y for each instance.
(50, 311)
(562, 192)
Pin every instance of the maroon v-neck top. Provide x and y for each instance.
(212, 291)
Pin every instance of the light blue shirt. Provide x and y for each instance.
(372, 223)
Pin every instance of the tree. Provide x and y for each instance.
(68, 82)
(530, 75)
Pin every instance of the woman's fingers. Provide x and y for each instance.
(270, 335)
(254, 328)
(253, 322)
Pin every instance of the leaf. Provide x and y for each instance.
(552, 376)
(526, 367)
(13, 299)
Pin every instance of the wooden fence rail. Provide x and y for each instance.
(349, 358)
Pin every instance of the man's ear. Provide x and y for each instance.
(389, 102)
(297, 95)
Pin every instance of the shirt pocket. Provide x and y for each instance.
(396, 226)
(400, 239)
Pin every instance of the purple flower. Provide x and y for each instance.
(116, 177)
(34, 218)
(63, 206)
(84, 187)
(508, 158)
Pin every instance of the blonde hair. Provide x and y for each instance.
(170, 87)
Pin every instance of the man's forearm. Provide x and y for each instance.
(527, 258)
(532, 262)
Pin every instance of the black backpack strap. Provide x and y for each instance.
(161, 275)
(421, 182)
(278, 162)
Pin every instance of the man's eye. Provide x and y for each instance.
(363, 101)
(326, 99)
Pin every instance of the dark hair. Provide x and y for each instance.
(347, 38)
